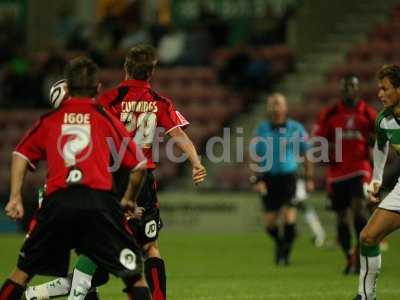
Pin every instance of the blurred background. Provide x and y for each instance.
(218, 59)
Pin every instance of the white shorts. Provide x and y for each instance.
(392, 200)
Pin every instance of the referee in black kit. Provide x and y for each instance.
(280, 142)
(79, 210)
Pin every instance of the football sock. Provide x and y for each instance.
(82, 279)
(344, 238)
(273, 231)
(11, 291)
(370, 259)
(289, 236)
(154, 269)
(315, 225)
(58, 287)
(138, 293)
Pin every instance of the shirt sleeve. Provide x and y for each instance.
(169, 118)
(31, 147)
(133, 157)
(379, 158)
(381, 137)
(321, 127)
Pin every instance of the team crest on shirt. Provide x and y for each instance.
(350, 132)
(128, 259)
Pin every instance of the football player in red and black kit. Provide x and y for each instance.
(79, 210)
(349, 123)
(143, 112)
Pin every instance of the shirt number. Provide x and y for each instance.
(81, 139)
(145, 125)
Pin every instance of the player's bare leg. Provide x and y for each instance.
(381, 223)
(137, 289)
(154, 269)
(271, 225)
(289, 235)
(14, 286)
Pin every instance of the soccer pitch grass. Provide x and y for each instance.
(240, 267)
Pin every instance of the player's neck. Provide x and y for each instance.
(278, 122)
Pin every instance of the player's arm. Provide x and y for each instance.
(28, 151)
(186, 145)
(173, 122)
(379, 157)
(309, 173)
(380, 154)
(14, 208)
(308, 164)
(132, 159)
(258, 149)
(135, 184)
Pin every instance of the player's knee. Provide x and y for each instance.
(20, 277)
(367, 238)
(135, 281)
(153, 251)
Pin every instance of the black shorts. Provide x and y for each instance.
(343, 192)
(148, 195)
(147, 229)
(90, 221)
(281, 191)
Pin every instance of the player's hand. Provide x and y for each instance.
(261, 187)
(128, 204)
(14, 208)
(310, 186)
(199, 174)
(373, 192)
(138, 212)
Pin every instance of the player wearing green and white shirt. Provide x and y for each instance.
(386, 218)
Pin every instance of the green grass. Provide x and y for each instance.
(208, 267)
(239, 266)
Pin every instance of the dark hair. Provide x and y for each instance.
(81, 75)
(140, 62)
(392, 72)
(349, 76)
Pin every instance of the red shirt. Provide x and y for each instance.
(142, 111)
(75, 141)
(357, 126)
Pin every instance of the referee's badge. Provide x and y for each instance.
(128, 259)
